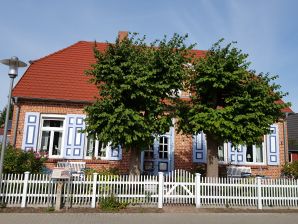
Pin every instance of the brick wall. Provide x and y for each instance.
(183, 155)
(183, 144)
(183, 152)
(275, 171)
(62, 108)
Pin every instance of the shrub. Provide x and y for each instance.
(291, 169)
(103, 172)
(19, 161)
(111, 204)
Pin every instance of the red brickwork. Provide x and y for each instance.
(275, 171)
(182, 151)
(63, 108)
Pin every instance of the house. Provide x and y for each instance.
(49, 114)
(292, 122)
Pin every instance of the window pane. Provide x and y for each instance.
(165, 140)
(115, 151)
(259, 153)
(45, 141)
(221, 153)
(249, 154)
(102, 152)
(160, 155)
(90, 146)
(53, 123)
(165, 155)
(163, 148)
(57, 143)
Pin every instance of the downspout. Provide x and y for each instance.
(16, 123)
(285, 138)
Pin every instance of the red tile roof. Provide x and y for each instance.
(285, 110)
(60, 76)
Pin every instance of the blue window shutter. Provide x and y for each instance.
(236, 154)
(241, 154)
(199, 148)
(273, 146)
(74, 140)
(30, 134)
(232, 154)
(114, 153)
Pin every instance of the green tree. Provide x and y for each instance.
(3, 115)
(230, 102)
(291, 170)
(138, 85)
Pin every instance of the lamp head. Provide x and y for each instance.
(14, 63)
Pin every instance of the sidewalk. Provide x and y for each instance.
(166, 209)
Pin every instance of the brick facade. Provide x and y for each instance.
(182, 146)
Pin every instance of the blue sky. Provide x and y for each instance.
(265, 29)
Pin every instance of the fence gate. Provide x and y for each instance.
(179, 188)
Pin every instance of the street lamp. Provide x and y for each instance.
(13, 64)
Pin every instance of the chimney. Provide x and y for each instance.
(122, 35)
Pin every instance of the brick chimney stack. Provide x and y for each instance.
(122, 35)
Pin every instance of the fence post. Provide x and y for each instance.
(160, 189)
(259, 193)
(93, 200)
(25, 188)
(198, 190)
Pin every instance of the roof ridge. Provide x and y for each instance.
(56, 52)
(82, 41)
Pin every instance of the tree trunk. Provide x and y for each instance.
(134, 163)
(212, 157)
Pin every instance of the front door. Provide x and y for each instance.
(159, 157)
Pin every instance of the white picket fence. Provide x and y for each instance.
(177, 188)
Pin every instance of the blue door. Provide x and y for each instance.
(159, 156)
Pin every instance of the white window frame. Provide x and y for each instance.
(41, 129)
(225, 154)
(264, 154)
(162, 145)
(86, 149)
(96, 156)
(254, 148)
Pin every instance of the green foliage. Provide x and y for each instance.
(19, 161)
(112, 171)
(291, 169)
(3, 204)
(230, 102)
(111, 204)
(3, 115)
(50, 209)
(138, 85)
(200, 168)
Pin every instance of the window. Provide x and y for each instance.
(163, 147)
(245, 154)
(221, 153)
(94, 149)
(51, 136)
(254, 154)
(91, 146)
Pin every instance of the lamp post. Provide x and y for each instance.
(13, 64)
